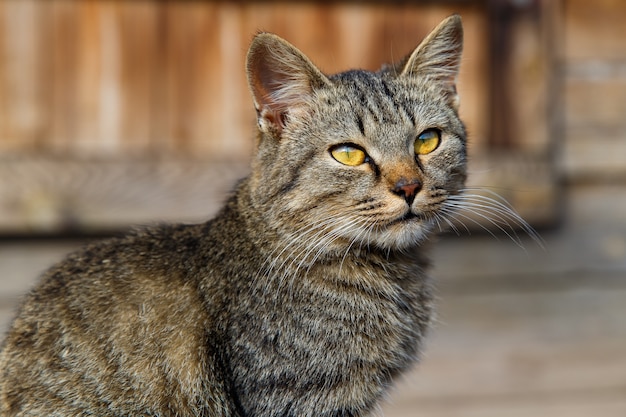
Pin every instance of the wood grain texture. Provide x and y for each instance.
(594, 30)
(151, 80)
(69, 196)
(134, 78)
(593, 68)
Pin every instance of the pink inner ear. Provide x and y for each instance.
(275, 90)
(274, 117)
(281, 78)
(280, 95)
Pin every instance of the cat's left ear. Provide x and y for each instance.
(438, 56)
(281, 79)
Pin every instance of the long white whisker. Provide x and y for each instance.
(459, 213)
(446, 212)
(494, 209)
(503, 208)
(361, 231)
(297, 238)
(297, 242)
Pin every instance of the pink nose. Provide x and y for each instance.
(407, 189)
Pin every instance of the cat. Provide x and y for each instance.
(307, 295)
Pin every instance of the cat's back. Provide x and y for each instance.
(116, 320)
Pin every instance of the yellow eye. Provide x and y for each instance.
(427, 141)
(348, 155)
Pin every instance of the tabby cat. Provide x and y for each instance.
(307, 295)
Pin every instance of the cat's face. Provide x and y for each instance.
(359, 158)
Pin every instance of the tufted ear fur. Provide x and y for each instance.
(438, 56)
(281, 79)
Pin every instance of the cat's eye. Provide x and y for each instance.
(427, 141)
(348, 155)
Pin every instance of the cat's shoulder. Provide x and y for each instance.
(152, 248)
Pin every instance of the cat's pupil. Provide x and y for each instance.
(348, 155)
(427, 141)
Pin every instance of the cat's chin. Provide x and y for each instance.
(404, 233)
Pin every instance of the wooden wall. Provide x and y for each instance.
(593, 70)
(138, 77)
(117, 112)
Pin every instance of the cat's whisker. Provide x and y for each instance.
(370, 230)
(495, 199)
(296, 243)
(439, 217)
(457, 214)
(320, 246)
(495, 206)
(494, 210)
(304, 244)
(296, 238)
(361, 231)
(335, 234)
(510, 217)
(491, 217)
(312, 239)
(436, 219)
(500, 205)
(494, 217)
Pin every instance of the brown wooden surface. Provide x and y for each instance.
(594, 30)
(52, 195)
(94, 93)
(111, 78)
(593, 68)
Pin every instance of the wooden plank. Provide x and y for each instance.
(526, 354)
(96, 68)
(594, 154)
(23, 84)
(46, 195)
(63, 46)
(595, 103)
(42, 195)
(208, 95)
(594, 91)
(594, 30)
(139, 43)
(117, 70)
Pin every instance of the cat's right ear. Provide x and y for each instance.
(281, 79)
(438, 57)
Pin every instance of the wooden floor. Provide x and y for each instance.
(521, 332)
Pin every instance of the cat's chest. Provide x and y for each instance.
(321, 336)
(355, 310)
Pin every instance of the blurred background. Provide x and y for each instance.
(118, 113)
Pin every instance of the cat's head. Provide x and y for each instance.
(357, 158)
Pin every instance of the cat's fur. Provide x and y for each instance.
(306, 295)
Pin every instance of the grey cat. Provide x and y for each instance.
(307, 295)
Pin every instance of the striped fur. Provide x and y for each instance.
(307, 295)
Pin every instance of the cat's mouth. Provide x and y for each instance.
(410, 216)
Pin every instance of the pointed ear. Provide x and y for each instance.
(281, 79)
(438, 56)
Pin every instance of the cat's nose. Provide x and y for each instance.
(407, 189)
